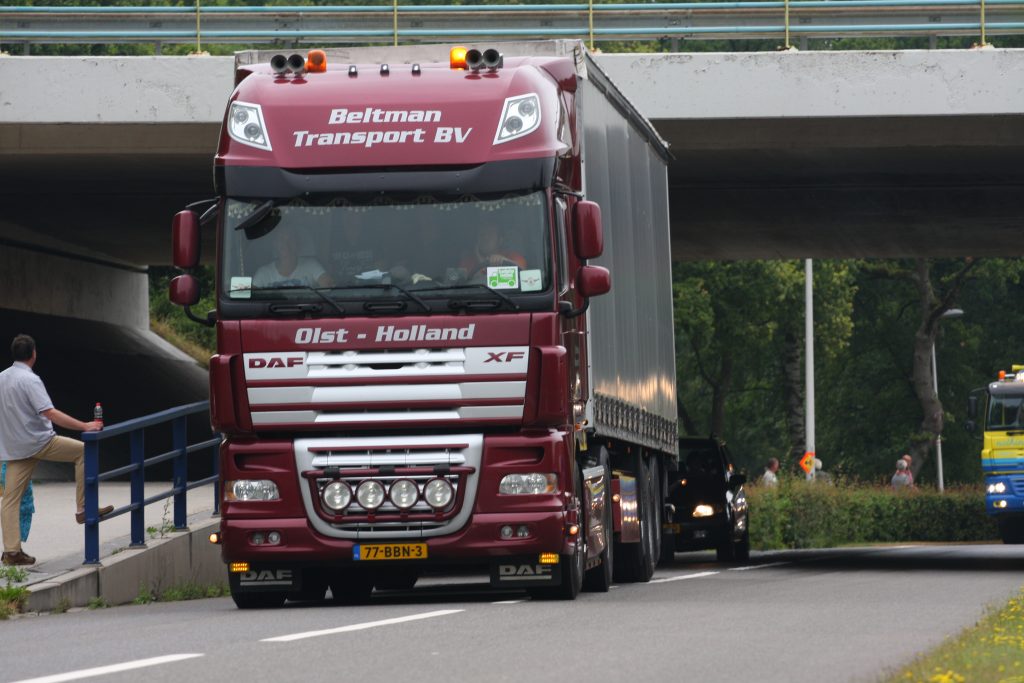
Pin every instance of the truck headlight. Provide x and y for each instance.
(998, 487)
(520, 116)
(703, 511)
(245, 124)
(370, 494)
(531, 483)
(438, 493)
(250, 489)
(337, 495)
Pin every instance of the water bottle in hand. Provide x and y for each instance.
(97, 414)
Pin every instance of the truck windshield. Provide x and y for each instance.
(1004, 412)
(415, 248)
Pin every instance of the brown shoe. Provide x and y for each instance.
(103, 512)
(17, 558)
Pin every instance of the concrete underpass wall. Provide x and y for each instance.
(45, 279)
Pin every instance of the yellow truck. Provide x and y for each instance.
(999, 408)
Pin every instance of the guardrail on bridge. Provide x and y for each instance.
(412, 23)
(179, 454)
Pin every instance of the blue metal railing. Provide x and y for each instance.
(179, 454)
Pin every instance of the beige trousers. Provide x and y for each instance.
(19, 473)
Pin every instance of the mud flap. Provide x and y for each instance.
(524, 572)
(266, 579)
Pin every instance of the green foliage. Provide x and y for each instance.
(800, 514)
(184, 591)
(172, 318)
(97, 602)
(12, 598)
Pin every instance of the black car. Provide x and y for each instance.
(710, 506)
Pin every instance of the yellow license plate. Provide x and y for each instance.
(390, 551)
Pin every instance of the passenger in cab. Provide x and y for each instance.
(288, 269)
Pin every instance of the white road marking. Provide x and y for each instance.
(507, 602)
(111, 669)
(757, 566)
(360, 627)
(682, 577)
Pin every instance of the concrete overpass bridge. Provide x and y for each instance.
(777, 155)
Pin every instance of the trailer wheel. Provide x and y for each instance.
(260, 600)
(599, 579)
(635, 562)
(351, 587)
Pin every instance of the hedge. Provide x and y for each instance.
(801, 514)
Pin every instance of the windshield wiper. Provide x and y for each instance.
(466, 304)
(375, 285)
(318, 291)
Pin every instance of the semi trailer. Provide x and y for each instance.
(443, 320)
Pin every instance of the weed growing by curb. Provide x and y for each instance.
(184, 591)
(97, 603)
(12, 598)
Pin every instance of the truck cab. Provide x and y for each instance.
(1001, 413)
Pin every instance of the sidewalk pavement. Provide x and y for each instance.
(57, 541)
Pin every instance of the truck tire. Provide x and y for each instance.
(351, 587)
(634, 562)
(571, 567)
(599, 579)
(258, 600)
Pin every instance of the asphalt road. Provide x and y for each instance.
(836, 615)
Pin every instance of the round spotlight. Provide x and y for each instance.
(252, 131)
(370, 494)
(527, 107)
(513, 124)
(337, 495)
(404, 494)
(438, 493)
(241, 115)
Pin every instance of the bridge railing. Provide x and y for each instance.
(181, 450)
(400, 22)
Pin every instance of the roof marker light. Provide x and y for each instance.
(457, 57)
(385, 70)
(416, 69)
(352, 70)
(316, 61)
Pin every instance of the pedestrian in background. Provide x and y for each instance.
(770, 478)
(27, 416)
(901, 479)
(910, 469)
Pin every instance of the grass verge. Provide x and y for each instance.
(991, 651)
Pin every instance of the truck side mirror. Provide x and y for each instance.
(185, 239)
(971, 426)
(972, 407)
(184, 290)
(588, 236)
(593, 281)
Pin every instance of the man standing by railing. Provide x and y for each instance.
(27, 416)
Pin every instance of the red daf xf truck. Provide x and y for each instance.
(444, 322)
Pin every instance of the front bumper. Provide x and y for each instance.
(479, 542)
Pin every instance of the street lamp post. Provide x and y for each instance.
(951, 313)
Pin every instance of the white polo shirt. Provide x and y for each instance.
(23, 431)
